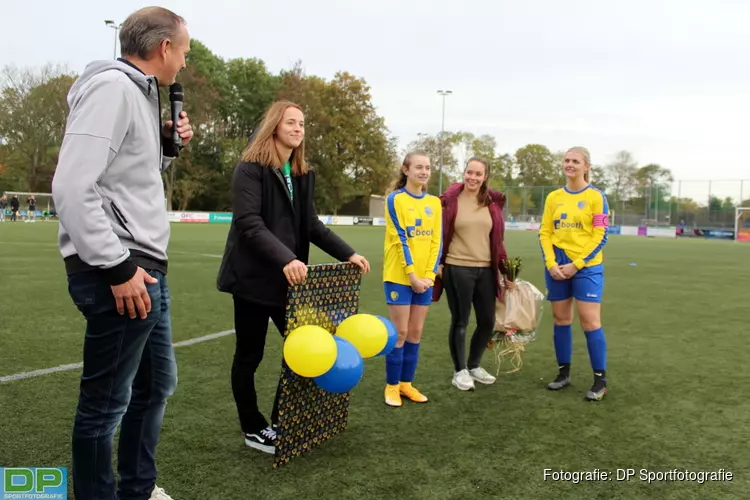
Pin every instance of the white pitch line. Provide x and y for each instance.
(30, 243)
(204, 338)
(39, 373)
(76, 366)
(33, 243)
(216, 256)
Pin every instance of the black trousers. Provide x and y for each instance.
(251, 326)
(465, 286)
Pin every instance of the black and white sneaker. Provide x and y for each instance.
(263, 440)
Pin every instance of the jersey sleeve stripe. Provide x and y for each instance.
(601, 221)
(440, 253)
(605, 203)
(399, 229)
(597, 249)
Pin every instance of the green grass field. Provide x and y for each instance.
(677, 366)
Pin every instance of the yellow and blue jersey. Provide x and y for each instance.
(413, 236)
(574, 227)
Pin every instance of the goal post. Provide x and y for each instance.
(44, 206)
(742, 224)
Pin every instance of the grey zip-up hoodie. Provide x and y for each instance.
(107, 187)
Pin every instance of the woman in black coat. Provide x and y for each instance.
(274, 222)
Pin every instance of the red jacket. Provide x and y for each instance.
(449, 201)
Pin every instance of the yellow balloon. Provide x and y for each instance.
(310, 351)
(368, 334)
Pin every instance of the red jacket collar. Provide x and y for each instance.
(457, 188)
(453, 191)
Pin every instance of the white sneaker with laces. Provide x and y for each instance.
(480, 375)
(159, 494)
(462, 380)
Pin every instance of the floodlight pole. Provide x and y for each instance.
(442, 138)
(115, 27)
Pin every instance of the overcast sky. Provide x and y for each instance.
(668, 80)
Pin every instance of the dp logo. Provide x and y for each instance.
(30, 482)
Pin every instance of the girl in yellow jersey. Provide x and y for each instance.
(413, 236)
(572, 235)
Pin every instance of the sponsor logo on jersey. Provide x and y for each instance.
(561, 224)
(415, 232)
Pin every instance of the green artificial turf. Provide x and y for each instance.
(676, 329)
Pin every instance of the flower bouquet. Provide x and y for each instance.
(517, 317)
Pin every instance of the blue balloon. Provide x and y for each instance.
(392, 336)
(346, 371)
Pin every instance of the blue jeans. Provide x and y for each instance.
(129, 370)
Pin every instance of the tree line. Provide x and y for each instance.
(347, 142)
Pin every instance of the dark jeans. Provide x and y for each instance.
(129, 371)
(465, 286)
(251, 327)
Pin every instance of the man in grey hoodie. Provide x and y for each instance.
(113, 237)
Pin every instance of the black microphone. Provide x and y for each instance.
(176, 99)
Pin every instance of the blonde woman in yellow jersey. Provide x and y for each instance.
(413, 236)
(572, 235)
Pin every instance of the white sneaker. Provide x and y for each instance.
(159, 494)
(481, 376)
(462, 380)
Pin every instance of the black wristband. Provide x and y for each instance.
(121, 273)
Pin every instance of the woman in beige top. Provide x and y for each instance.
(471, 263)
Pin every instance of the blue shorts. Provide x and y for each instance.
(587, 285)
(402, 295)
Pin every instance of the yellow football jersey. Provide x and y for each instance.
(413, 236)
(576, 224)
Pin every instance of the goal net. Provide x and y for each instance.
(742, 224)
(43, 205)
